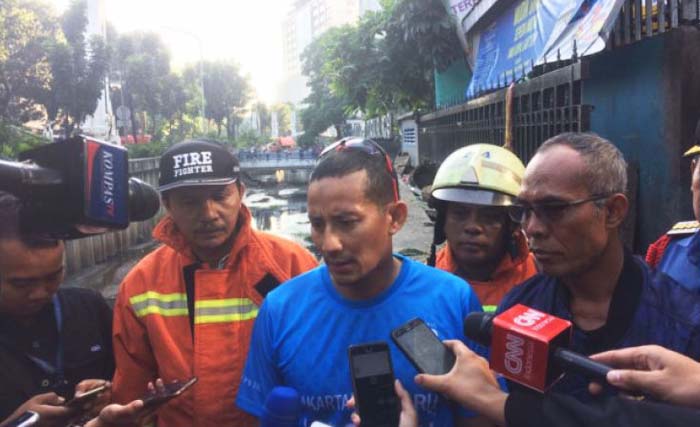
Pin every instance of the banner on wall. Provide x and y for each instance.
(532, 30)
(515, 41)
(588, 31)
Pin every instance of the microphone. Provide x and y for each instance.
(529, 346)
(75, 188)
(282, 408)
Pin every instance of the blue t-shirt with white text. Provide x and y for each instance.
(304, 327)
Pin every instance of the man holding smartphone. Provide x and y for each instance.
(51, 339)
(362, 293)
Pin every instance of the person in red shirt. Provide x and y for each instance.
(471, 191)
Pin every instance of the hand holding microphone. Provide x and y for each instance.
(653, 370)
(529, 346)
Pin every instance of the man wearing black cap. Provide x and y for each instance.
(677, 253)
(187, 309)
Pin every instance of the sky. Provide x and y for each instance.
(248, 32)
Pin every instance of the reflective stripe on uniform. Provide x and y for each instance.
(224, 310)
(206, 311)
(156, 303)
(490, 308)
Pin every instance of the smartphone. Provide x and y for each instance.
(27, 419)
(172, 390)
(78, 402)
(423, 348)
(373, 384)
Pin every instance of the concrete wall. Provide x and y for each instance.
(646, 101)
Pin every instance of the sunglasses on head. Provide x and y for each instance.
(369, 147)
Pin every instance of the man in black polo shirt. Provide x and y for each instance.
(50, 339)
(571, 205)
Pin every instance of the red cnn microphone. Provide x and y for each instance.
(528, 346)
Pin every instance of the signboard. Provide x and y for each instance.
(458, 10)
(534, 30)
(510, 46)
(589, 29)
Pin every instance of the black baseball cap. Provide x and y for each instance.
(195, 163)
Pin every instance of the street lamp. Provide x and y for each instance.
(205, 127)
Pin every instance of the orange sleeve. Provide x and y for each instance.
(133, 355)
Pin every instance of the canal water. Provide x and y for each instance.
(281, 210)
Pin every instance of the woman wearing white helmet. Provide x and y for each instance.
(471, 191)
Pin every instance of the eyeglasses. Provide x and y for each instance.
(366, 146)
(549, 212)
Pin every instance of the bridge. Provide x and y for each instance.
(261, 163)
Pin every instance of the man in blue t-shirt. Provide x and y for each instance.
(571, 205)
(363, 292)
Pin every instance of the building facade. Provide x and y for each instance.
(307, 20)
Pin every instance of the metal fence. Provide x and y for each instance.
(634, 23)
(542, 107)
(90, 251)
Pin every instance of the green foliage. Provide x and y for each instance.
(284, 117)
(14, 140)
(384, 64)
(249, 138)
(142, 63)
(226, 92)
(152, 149)
(79, 67)
(324, 108)
(27, 28)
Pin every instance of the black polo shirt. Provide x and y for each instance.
(28, 352)
(644, 309)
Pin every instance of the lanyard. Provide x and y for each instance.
(56, 370)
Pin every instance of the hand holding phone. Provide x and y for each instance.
(423, 348)
(161, 395)
(373, 384)
(88, 397)
(26, 419)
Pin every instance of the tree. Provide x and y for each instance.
(26, 29)
(264, 120)
(284, 117)
(226, 92)
(386, 62)
(324, 109)
(142, 62)
(78, 66)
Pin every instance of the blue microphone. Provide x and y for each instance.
(282, 408)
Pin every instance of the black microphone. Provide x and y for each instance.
(523, 341)
(75, 188)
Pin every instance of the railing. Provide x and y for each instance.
(634, 23)
(542, 107)
(90, 251)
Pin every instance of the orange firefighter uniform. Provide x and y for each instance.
(154, 335)
(510, 272)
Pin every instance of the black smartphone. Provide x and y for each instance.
(77, 402)
(171, 390)
(373, 384)
(423, 348)
(27, 419)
